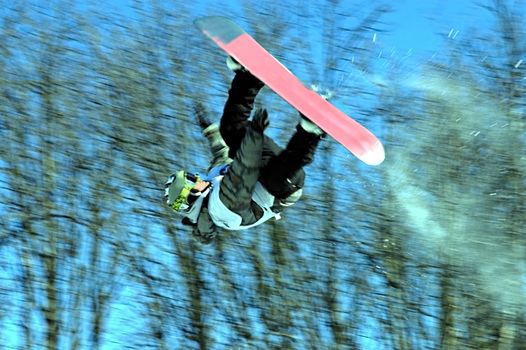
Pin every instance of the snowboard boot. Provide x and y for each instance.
(325, 93)
(305, 122)
(310, 127)
(234, 65)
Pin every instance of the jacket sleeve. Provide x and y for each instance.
(205, 230)
(240, 180)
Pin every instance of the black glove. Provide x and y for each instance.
(260, 120)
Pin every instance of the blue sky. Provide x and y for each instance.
(416, 24)
(419, 25)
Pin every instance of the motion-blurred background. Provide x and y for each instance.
(426, 251)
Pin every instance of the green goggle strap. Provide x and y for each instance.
(183, 196)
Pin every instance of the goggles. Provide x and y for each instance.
(183, 183)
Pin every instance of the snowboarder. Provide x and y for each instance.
(250, 179)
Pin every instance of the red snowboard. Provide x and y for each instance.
(244, 49)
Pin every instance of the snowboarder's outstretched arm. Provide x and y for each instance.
(240, 180)
(217, 145)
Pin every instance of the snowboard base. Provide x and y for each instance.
(258, 61)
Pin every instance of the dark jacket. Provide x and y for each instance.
(238, 182)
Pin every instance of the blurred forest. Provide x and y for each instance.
(426, 251)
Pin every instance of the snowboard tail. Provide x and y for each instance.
(258, 61)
